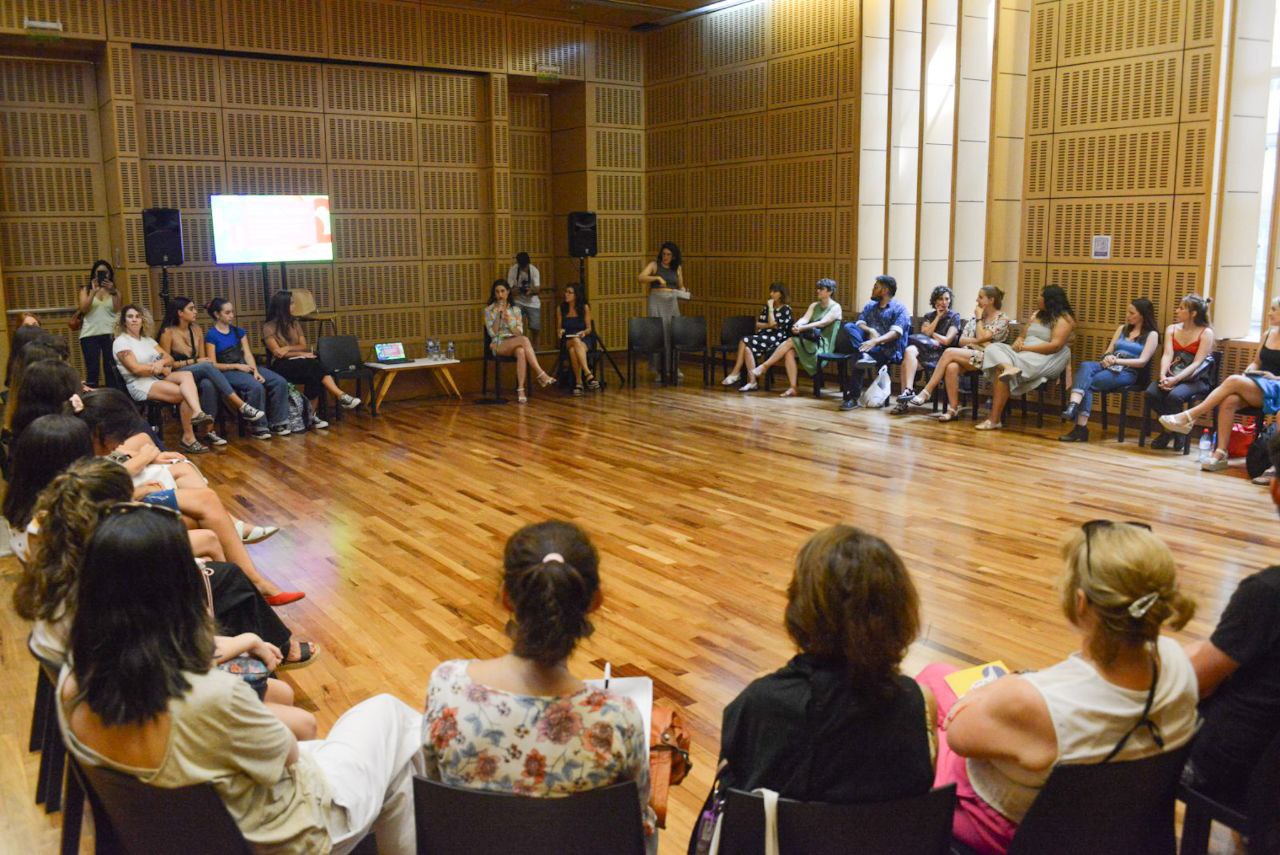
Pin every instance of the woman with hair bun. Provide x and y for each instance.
(1128, 693)
(838, 723)
(545, 732)
(1188, 349)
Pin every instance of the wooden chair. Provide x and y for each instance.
(1103, 809)
(733, 330)
(689, 335)
(644, 336)
(1258, 819)
(457, 821)
(920, 825)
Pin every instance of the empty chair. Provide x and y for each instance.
(644, 336)
(457, 821)
(341, 355)
(1104, 809)
(919, 825)
(733, 330)
(688, 335)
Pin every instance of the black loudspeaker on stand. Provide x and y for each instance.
(582, 244)
(162, 235)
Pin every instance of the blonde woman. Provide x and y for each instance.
(149, 375)
(1128, 693)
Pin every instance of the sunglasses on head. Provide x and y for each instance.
(129, 507)
(1093, 525)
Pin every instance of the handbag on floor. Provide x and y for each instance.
(1258, 458)
(669, 761)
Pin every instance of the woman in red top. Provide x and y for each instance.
(1188, 342)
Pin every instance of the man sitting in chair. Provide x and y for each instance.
(879, 333)
(1238, 670)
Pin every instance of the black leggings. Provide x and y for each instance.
(308, 373)
(95, 348)
(238, 607)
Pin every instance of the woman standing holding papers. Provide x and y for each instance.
(665, 278)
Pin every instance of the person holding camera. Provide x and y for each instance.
(525, 282)
(98, 305)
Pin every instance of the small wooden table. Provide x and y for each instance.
(385, 375)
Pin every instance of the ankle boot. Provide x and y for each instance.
(1078, 433)
(1069, 414)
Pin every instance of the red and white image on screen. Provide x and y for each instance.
(252, 229)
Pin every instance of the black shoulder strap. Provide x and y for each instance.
(1144, 720)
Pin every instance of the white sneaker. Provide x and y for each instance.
(251, 413)
(1265, 478)
(348, 402)
(213, 439)
(749, 387)
(319, 424)
(730, 380)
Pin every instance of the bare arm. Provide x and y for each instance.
(85, 300)
(229, 647)
(1004, 720)
(159, 368)
(1166, 357)
(647, 275)
(1061, 332)
(945, 340)
(1211, 665)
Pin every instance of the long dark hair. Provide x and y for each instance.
(110, 416)
(280, 314)
(550, 576)
(782, 289)
(176, 305)
(580, 301)
(493, 291)
(93, 271)
(142, 618)
(46, 387)
(48, 445)
(69, 510)
(676, 260)
(1148, 313)
(1056, 305)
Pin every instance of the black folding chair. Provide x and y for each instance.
(491, 358)
(689, 335)
(457, 821)
(341, 355)
(1214, 373)
(1103, 809)
(1139, 386)
(844, 355)
(644, 336)
(1258, 819)
(733, 330)
(919, 825)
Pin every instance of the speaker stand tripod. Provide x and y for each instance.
(164, 291)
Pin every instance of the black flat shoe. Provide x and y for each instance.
(1079, 433)
(1163, 441)
(1069, 414)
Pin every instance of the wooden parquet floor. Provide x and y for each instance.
(698, 500)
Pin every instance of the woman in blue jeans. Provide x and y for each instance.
(1130, 350)
(184, 341)
(227, 346)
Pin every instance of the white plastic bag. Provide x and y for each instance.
(877, 393)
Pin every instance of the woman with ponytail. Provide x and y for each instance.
(1184, 368)
(545, 732)
(1128, 693)
(838, 723)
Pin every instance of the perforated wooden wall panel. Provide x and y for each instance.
(79, 18)
(280, 26)
(454, 38)
(617, 56)
(361, 189)
(261, 83)
(532, 42)
(734, 36)
(375, 31)
(186, 23)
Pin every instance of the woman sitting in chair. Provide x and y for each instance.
(226, 347)
(1184, 366)
(838, 723)
(1128, 693)
(142, 699)
(939, 329)
(814, 333)
(1037, 357)
(576, 330)
(988, 326)
(1258, 386)
(503, 322)
(546, 733)
(183, 340)
(292, 358)
(773, 327)
(1131, 348)
(149, 374)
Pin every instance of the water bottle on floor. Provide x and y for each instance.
(1206, 446)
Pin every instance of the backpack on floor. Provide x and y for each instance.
(301, 416)
(1258, 457)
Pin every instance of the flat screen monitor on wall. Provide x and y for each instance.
(256, 229)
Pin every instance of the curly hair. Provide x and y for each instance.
(148, 322)
(851, 598)
(68, 511)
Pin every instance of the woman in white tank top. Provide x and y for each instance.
(999, 744)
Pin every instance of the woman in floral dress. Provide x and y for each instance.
(522, 723)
